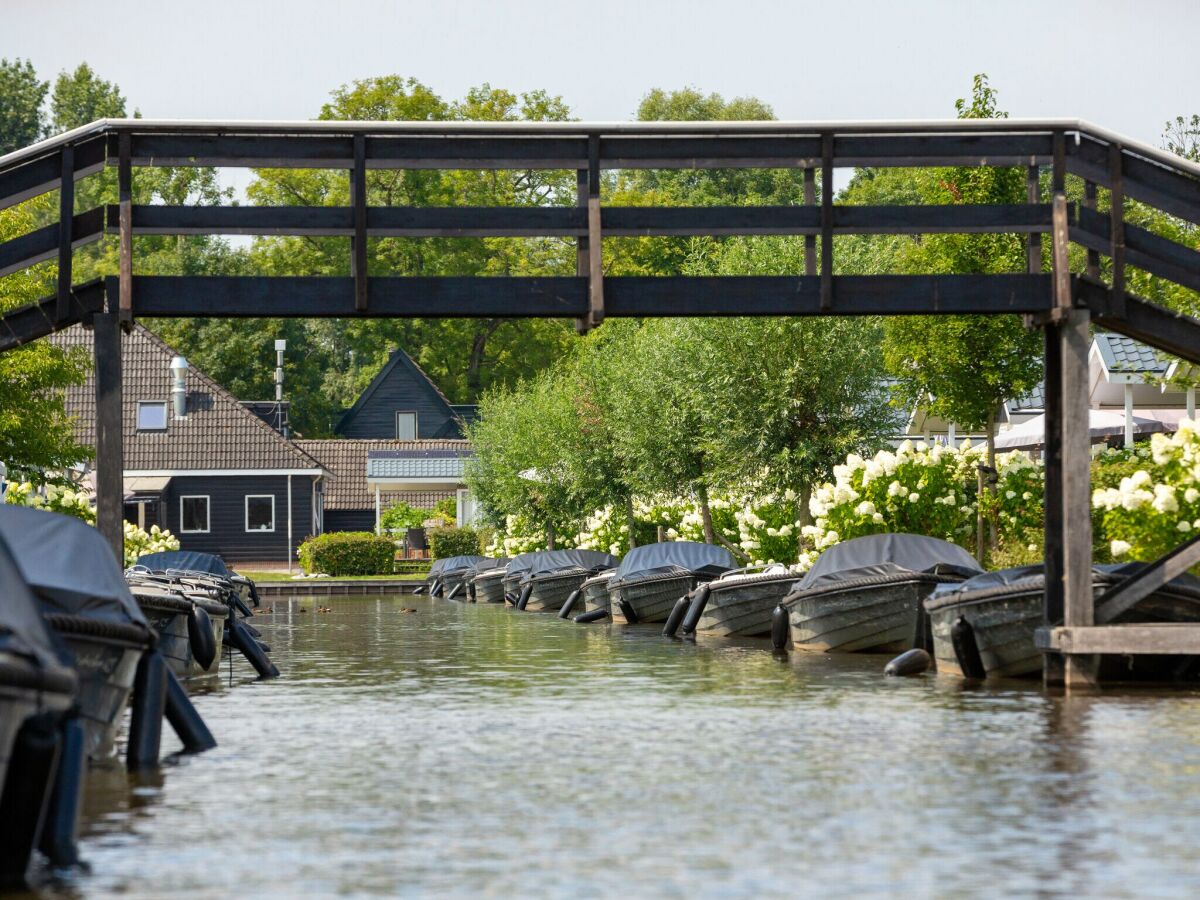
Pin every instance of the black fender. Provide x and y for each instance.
(200, 637)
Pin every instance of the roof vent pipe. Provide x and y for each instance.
(179, 368)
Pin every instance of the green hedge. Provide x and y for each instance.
(348, 553)
(446, 542)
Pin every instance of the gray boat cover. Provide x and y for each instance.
(185, 560)
(69, 565)
(1034, 576)
(22, 631)
(888, 554)
(486, 563)
(672, 557)
(452, 565)
(550, 562)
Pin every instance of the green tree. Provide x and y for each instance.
(965, 367)
(82, 97)
(21, 97)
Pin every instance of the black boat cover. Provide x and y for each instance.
(888, 554)
(672, 557)
(22, 631)
(1033, 576)
(486, 563)
(69, 565)
(550, 562)
(186, 561)
(453, 565)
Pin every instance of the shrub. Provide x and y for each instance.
(341, 553)
(445, 542)
(446, 509)
(401, 516)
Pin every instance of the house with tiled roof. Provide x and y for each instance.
(367, 476)
(200, 463)
(403, 403)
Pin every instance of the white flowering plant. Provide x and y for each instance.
(521, 535)
(78, 504)
(1146, 501)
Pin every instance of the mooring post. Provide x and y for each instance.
(1068, 464)
(106, 334)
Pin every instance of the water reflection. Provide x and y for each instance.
(464, 749)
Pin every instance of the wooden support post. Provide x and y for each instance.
(125, 226)
(1068, 466)
(810, 240)
(66, 223)
(358, 243)
(1117, 231)
(1093, 257)
(1033, 247)
(826, 222)
(582, 260)
(106, 335)
(594, 242)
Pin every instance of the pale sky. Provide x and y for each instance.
(1126, 66)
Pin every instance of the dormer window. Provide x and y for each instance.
(152, 415)
(406, 426)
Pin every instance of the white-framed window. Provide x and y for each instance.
(406, 425)
(152, 415)
(260, 512)
(193, 514)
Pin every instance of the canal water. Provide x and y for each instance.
(422, 747)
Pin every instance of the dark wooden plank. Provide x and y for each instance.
(801, 295)
(1127, 594)
(1169, 331)
(66, 223)
(36, 320)
(1172, 192)
(109, 465)
(810, 241)
(1116, 231)
(1157, 255)
(37, 176)
(827, 288)
(455, 152)
(595, 240)
(581, 241)
(1157, 638)
(358, 243)
(43, 244)
(1093, 256)
(942, 149)
(566, 297)
(331, 297)
(1033, 244)
(715, 152)
(125, 230)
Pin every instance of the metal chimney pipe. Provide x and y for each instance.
(280, 347)
(179, 369)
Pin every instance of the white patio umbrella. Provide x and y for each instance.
(1102, 426)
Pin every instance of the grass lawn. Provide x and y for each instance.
(263, 577)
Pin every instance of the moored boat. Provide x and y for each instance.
(594, 591)
(741, 603)
(487, 585)
(89, 608)
(196, 565)
(555, 574)
(446, 575)
(1003, 610)
(652, 577)
(865, 594)
(36, 691)
(169, 613)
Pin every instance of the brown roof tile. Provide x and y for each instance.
(217, 433)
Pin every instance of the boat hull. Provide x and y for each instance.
(594, 592)
(876, 616)
(24, 692)
(549, 593)
(489, 588)
(744, 607)
(105, 657)
(651, 599)
(1004, 621)
(170, 622)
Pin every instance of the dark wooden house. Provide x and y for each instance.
(402, 403)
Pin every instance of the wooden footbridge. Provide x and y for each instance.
(1060, 302)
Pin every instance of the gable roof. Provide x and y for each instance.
(217, 433)
(1129, 357)
(403, 360)
(346, 461)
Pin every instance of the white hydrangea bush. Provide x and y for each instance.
(78, 504)
(1156, 506)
